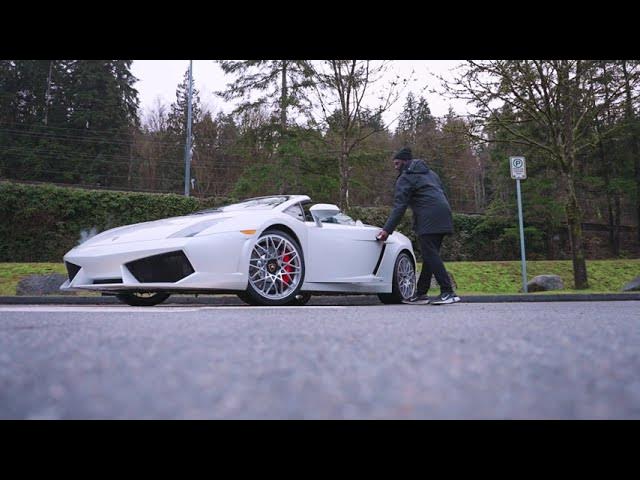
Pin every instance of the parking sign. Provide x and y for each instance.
(518, 168)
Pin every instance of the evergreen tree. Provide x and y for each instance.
(417, 128)
(67, 120)
(32, 99)
(103, 112)
(423, 117)
(177, 120)
(407, 121)
(280, 84)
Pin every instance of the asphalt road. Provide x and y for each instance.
(576, 360)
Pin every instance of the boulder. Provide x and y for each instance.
(35, 285)
(435, 285)
(632, 286)
(543, 283)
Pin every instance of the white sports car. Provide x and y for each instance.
(275, 250)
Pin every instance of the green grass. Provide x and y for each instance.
(12, 273)
(605, 276)
(472, 278)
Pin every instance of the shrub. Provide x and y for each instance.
(40, 223)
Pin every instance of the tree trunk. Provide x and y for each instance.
(130, 166)
(616, 226)
(612, 236)
(283, 98)
(296, 182)
(344, 177)
(613, 204)
(574, 222)
(47, 95)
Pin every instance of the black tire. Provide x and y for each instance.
(300, 299)
(136, 299)
(252, 295)
(247, 299)
(396, 295)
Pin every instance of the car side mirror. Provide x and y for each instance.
(320, 211)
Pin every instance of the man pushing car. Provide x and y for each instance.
(420, 188)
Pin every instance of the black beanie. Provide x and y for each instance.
(404, 154)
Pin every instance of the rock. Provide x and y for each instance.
(632, 286)
(34, 285)
(543, 283)
(435, 285)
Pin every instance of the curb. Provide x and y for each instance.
(337, 300)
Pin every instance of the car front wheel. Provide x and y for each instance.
(276, 270)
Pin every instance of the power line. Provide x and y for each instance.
(77, 138)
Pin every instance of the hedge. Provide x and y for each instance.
(40, 223)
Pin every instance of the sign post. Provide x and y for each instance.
(519, 172)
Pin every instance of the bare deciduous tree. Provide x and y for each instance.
(341, 88)
(561, 98)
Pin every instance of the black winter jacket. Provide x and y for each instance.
(420, 188)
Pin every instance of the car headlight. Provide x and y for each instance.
(193, 230)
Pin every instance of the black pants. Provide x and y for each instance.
(432, 264)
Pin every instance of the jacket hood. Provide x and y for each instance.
(417, 166)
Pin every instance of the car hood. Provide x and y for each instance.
(159, 229)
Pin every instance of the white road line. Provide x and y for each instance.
(98, 308)
(233, 307)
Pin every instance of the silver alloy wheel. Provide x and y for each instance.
(406, 277)
(275, 267)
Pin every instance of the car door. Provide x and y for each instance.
(341, 252)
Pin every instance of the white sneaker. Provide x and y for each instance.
(446, 299)
(417, 300)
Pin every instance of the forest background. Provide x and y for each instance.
(302, 127)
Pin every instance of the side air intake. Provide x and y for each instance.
(164, 268)
(72, 270)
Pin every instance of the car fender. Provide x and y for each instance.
(260, 227)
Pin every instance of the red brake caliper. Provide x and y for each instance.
(286, 278)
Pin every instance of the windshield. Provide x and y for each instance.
(340, 219)
(258, 203)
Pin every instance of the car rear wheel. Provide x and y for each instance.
(404, 280)
(276, 270)
(302, 298)
(142, 299)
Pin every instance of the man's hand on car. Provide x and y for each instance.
(382, 236)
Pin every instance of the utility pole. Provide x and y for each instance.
(187, 148)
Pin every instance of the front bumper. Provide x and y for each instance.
(217, 261)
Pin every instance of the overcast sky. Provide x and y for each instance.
(160, 78)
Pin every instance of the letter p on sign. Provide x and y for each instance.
(518, 168)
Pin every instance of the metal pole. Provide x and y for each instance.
(187, 148)
(522, 255)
